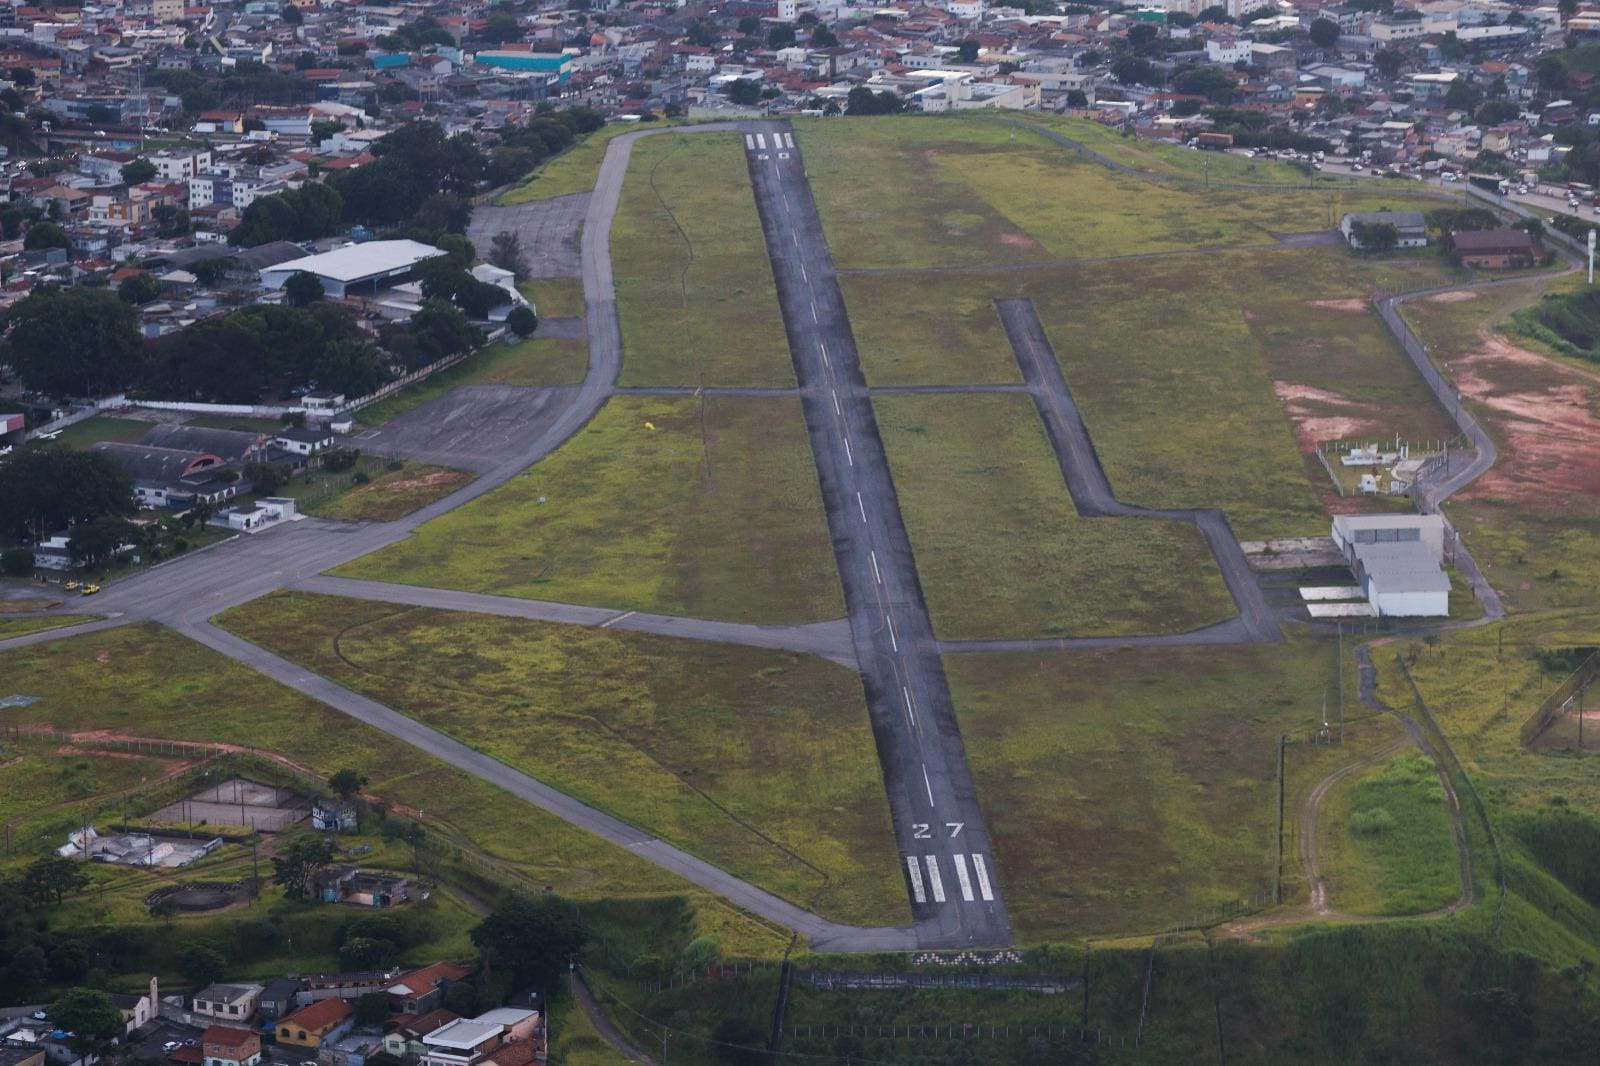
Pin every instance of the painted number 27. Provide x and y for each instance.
(924, 831)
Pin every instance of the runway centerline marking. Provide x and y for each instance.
(862, 507)
(929, 786)
(961, 875)
(876, 573)
(983, 877)
(895, 644)
(912, 715)
(836, 408)
(847, 456)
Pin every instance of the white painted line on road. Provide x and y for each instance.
(875, 572)
(789, 137)
(613, 621)
(893, 643)
(847, 456)
(927, 784)
(916, 879)
(749, 143)
(814, 311)
(803, 274)
(824, 349)
(761, 141)
(911, 714)
(862, 507)
(961, 875)
(836, 409)
(796, 237)
(934, 881)
(983, 877)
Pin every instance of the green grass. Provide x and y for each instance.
(38, 776)
(242, 425)
(1125, 790)
(762, 762)
(21, 626)
(555, 297)
(1386, 842)
(388, 495)
(536, 361)
(1165, 158)
(714, 513)
(103, 428)
(574, 170)
(574, 1038)
(1002, 552)
(924, 192)
(694, 288)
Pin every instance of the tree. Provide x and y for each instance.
(743, 91)
(367, 953)
(863, 101)
(749, 26)
(967, 51)
(1552, 72)
(46, 488)
(302, 288)
(1461, 95)
(16, 562)
(372, 1008)
(202, 963)
(459, 247)
(1375, 236)
(1324, 32)
(350, 367)
(822, 37)
(780, 36)
(266, 478)
(73, 342)
(529, 942)
(138, 288)
(291, 15)
(523, 320)
(1132, 70)
(739, 1042)
(347, 782)
(89, 1015)
(1388, 61)
(92, 543)
(505, 252)
(45, 234)
(52, 878)
(22, 77)
(297, 865)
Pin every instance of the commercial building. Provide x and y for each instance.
(1411, 230)
(355, 268)
(1496, 249)
(1397, 560)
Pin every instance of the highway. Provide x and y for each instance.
(951, 879)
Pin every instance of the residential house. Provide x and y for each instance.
(304, 440)
(1410, 228)
(169, 477)
(22, 1055)
(335, 816)
(225, 1045)
(420, 991)
(1496, 249)
(310, 1026)
(405, 1039)
(234, 1003)
(137, 1008)
(364, 888)
(279, 997)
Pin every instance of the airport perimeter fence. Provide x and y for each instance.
(1559, 703)
(1459, 774)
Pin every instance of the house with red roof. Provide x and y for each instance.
(326, 1019)
(224, 1045)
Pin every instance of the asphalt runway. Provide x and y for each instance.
(946, 859)
(471, 427)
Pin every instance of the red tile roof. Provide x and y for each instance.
(319, 1015)
(227, 1036)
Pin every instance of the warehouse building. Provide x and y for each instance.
(356, 269)
(1398, 562)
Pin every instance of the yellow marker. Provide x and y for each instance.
(650, 426)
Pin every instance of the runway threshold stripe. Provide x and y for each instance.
(935, 882)
(915, 871)
(761, 141)
(749, 143)
(961, 875)
(982, 871)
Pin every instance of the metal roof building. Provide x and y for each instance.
(356, 267)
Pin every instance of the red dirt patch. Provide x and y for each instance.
(1453, 297)
(1551, 433)
(1314, 422)
(438, 477)
(1019, 240)
(1352, 306)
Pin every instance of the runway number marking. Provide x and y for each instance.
(955, 828)
(983, 878)
(915, 871)
(935, 882)
(961, 875)
(921, 831)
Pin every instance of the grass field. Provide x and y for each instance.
(1002, 552)
(574, 170)
(533, 362)
(395, 489)
(1126, 790)
(103, 428)
(694, 289)
(555, 297)
(922, 192)
(1386, 842)
(40, 776)
(719, 518)
(14, 626)
(760, 761)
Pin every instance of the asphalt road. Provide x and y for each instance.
(946, 857)
(830, 640)
(1091, 489)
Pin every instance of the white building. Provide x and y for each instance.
(1227, 53)
(355, 268)
(1397, 560)
(180, 166)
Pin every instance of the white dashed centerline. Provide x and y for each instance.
(928, 785)
(836, 408)
(961, 875)
(862, 508)
(983, 878)
(911, 714)
(934, 881)
(876, 573)
(893, 642)
(915, 871)
(849, 458)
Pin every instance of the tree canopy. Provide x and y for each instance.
(300, 214)
(48, 487)
(73, 342)
(528, 943)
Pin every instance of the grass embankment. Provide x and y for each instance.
(713, 513)
(694, 288)
(555, 297)
(393, 489)
(15, 626)
(1182, 399)
(722, 750)
(574, 170)
(1126, 790)
(1002, 552)
(1386, 841)
(1533, 521)
(147, 681)
(921, 192)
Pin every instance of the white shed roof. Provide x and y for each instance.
(356, 262)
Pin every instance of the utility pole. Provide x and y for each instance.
(1341, 684)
